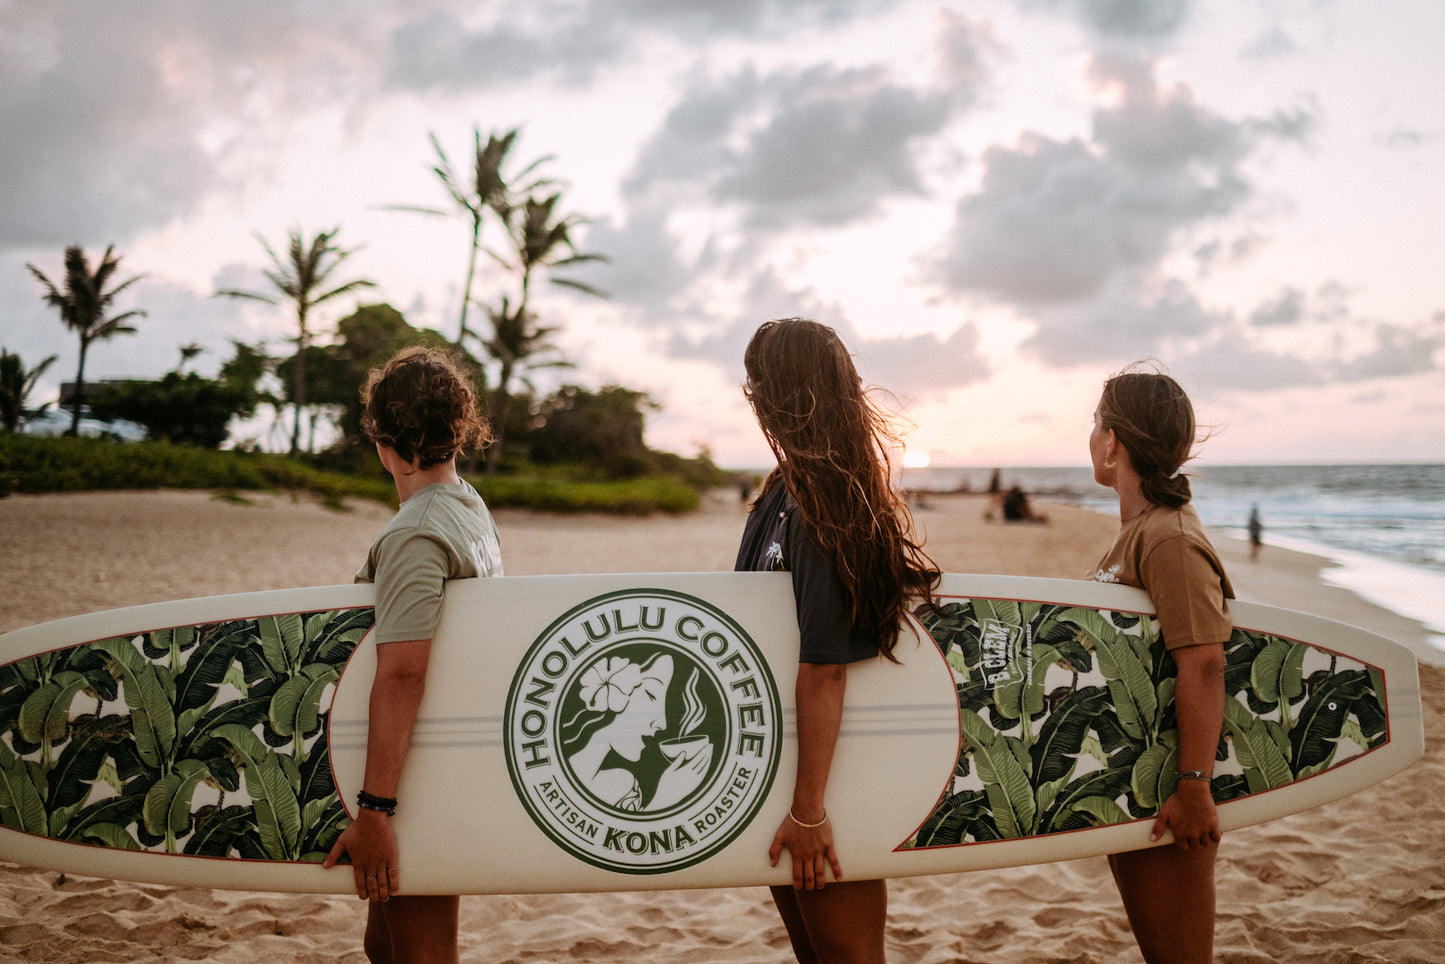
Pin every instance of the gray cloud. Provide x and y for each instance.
(968, 52)
(1397, 351)
(437, 50)
(1229, 362)
(643, 266)
(699, 332)
(836, 147)
(91, 151)
(1272, 43)
(1054, 221)
(573, 41)
(918, 366)
(910, 366)
(1120, 324)
(1125, 19)
(116, 123)
(821, 146)
(1285, 311)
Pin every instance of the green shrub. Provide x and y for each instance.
(33, 465)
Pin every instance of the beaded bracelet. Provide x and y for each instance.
(368, 801)
(807, 826)
(1202, 775)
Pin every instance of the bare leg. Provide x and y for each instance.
(841, 924)
(377, 942)
(1169, 896)
(413, 930)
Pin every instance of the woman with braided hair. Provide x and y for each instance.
(830, 515)
(1143, 434)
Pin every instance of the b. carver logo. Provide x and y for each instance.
(643, 730)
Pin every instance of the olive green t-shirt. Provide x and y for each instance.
(442, 532)
(1166, 553)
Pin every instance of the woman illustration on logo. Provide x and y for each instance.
(612, 742)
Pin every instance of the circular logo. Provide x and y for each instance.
(642, 730)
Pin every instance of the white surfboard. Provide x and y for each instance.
(626, 732)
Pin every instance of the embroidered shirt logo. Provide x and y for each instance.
(1110, 575)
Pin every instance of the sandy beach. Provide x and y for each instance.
(1362, 880)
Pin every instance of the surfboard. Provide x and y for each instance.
(632, 732)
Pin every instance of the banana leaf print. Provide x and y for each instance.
(206, 740)
(1067, 718)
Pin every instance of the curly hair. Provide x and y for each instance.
(833, 443)
(1153, 420)
(421, 404)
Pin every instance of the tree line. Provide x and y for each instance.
(516, 219)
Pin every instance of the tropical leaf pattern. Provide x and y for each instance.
(203, 740)
(1067, 718)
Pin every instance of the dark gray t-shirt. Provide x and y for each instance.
(776, 538)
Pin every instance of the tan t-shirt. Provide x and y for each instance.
(442, 532)
(1166, 553)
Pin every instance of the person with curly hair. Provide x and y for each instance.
(420, 411)
(1144, 431)
(829, 514)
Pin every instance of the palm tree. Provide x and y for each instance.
(519, 346)
(16, 385)
(541, 240)
(490, 189)
(189, 352)
(300, 279)
(83, 305)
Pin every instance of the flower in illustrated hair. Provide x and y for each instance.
(608, 683)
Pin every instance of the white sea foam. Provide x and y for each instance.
(1411, 591)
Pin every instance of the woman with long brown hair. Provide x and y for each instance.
(830, 515)
(1144, 432)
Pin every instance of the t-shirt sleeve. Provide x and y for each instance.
(1186, 584)
(411, 570)
(824, 622)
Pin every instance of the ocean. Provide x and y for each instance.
(1383, 525)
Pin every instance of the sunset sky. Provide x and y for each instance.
(995, 203)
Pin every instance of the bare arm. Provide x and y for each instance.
(1199, 706)
(396, 693)
(820, 691)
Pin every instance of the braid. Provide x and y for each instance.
(1154, 421)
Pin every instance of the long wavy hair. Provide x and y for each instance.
(833, 446)
(421, 403)
(1153, 419)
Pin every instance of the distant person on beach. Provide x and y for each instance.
(420, 412)
(1143, 432)
(1017, 508)
(1256, 533)
(828, 513)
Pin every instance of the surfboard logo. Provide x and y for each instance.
(1005, 653)
(643, 730)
